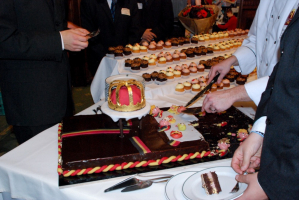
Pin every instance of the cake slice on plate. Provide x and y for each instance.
(210, 183)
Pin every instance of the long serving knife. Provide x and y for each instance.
(203, 91)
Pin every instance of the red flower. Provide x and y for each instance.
(186, 12)
(198, 14)
(203, 13)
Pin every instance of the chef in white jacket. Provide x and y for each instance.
(261, 50)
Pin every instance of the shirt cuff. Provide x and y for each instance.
(255, 89)
(246, 58)
(62, 44)
(259, 125)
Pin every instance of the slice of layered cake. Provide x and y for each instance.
(210, 183)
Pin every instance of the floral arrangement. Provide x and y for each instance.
(198, 12)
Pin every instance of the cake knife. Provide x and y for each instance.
(196, 97)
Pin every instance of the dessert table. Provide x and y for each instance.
(30, 170)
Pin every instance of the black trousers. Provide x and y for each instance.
(24, 133)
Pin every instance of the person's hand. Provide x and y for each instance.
(247, 156)
(222, 68)
(222, 100)
(254, 190)
(75, 39)
(148, 35)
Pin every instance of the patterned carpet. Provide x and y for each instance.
(82, 100)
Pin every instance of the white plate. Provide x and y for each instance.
(193, 190)
(173, 188)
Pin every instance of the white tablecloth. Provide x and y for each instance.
(30, 171)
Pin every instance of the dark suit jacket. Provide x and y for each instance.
(34, 70)
(158, 16)
(123, 30)
(280, 103)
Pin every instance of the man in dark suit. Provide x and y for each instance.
(118, 27)
(34, 70)
(157, 19)
(276, 151)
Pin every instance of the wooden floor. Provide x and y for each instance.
(82, 100)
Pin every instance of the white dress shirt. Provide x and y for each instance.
(261, 48)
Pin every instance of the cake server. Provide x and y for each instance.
(145, 184)
(131, 181)
(203, 91)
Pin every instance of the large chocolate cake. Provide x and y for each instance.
(91, 149)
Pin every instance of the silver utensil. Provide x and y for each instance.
(144, 184)
(93, 33)
(236, 188)
(196, 97)
(134, 181)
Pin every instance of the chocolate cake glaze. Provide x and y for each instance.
(86, 151)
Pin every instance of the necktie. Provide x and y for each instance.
(113, 3)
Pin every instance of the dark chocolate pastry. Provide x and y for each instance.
(147, 77)
(128, 63)
(135, 66)
(111, 50)
(118, 53)
(155, 75)
(144, 64)
(127, 51)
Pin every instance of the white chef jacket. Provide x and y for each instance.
(261, 48)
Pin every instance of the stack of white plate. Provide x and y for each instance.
(188, 185)
(124, 77)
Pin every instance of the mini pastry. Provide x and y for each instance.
(152, 47)
(162, 77)
(144, 64)
(143, 49)
(185, 66)
(162, 71)
(177, 73)
(187, 85)
(196, 87)
(176, 57)
(240, 80)
(154, 75)
(194, 81)
(130, 46)
(162, 60)
(152, 62)
(202, 79)
(147, 77)
(193, 69)
(194, 40)
(197, 51)
(137, 60)
(183, 56)
(193, 64)
(186, 41)
(145, 43)
(169, 75)
(111, 50)
(220, 86)
(180, 87)
(127, 51)
(168, 59)
(159, 46)
(161, 54)
(201, 68)
(185, 72)
(136, 49)
(189, 54)
(214, 88)
(226, 83)
(118, 53)
(135, 66)
(145, 58)
(178, 67)
(169, 69)
(128, 63)
(201, 38)
(153, 56)
(167, 44)
(120, 47)
(175, 43)
(176, 134)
